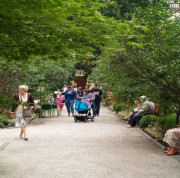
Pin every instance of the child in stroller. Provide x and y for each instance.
(83, 111)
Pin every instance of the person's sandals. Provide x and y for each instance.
(129, 126)
(167, 150)
(173, 152)
(26, 139)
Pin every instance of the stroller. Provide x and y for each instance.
(83, 111)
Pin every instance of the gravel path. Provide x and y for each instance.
(58, 147)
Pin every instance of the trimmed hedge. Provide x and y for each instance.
(148, 120)
(1, 125)
(165, 123)
(160, 124)
(120, 107)
(114, 107)
(107, 103)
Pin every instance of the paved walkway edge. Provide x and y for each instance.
(157, 143)
(151, 138)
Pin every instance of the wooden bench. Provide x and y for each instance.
(157, 108)
(111, 98)
(128, 102)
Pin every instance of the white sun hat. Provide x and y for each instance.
(143, 97)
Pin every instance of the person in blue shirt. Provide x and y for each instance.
(70, 98)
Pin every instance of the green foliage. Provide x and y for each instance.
(43, 42)
(148, 120)
(107, 103)
(6, 119)
(1, 125)
(159, 124)
(120, 107)
(114, 107)
(165, 123)
(143, 59)
(125, 9)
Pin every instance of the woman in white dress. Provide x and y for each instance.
(17, 110)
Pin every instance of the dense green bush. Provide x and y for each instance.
(6, 119)
(114, 106)
(148, 120)
(165, 123)
(161, 124)
(1, 125)
(107, 103)
(120, 107)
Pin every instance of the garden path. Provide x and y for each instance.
(58, 147)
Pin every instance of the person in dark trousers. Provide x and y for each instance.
(70, 98)
(98, 98)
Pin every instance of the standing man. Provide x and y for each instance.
(98, 98)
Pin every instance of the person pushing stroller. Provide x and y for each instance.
(83, 107)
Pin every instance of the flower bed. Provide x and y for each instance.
(6, 119)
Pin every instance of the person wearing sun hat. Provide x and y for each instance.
(144, 106)
(17, 109)
(147, 106)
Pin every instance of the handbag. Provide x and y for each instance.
(26, 112)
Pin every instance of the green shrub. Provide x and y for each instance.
(5, 119)
(114, 107)
(120, 107)
(11, 122)
(148, 120)
(165, 123)
(107, 103)
(1, 125)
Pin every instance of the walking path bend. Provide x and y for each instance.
(58, 147)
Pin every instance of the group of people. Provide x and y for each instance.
(24, 101)
(69, 95)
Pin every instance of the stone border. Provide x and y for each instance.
(141, 130)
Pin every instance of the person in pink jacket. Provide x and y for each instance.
(60, 101)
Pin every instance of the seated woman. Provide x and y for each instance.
(135, 118)
(172, 137)
(135, 110)
(146, 107)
